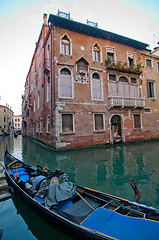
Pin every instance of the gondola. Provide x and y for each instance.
(87, 214)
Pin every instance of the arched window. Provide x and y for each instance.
(65, 84)
(65, 45)
(96, 53)
(96, 87)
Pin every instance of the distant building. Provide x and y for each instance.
(6, 119)
(87, 86)
(17, 122)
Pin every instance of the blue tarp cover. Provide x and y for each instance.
(121, 227)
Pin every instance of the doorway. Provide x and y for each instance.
(116, 129)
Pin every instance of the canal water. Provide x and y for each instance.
(107, 169)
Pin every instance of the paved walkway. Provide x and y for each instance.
(4, 194)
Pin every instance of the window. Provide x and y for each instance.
(137, 121)
(65, 45)
(98, 122)
(134, 93)
(148, 63)
(150, 89)
(96, 87)
(37, 126)
(4, 119)
(40, 71)
(65, 84)
(41, 125)
(31, 88)
(34, 105)
(110, 55)
(48, 90)
(67, 123)
(131, 59)
(4, 110)
(96, 53)
(48, 124)
(123, 87)
(112, 77)
(38, 103)
(41, 43)
(158, 67)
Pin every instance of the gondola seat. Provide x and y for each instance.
(23, 175)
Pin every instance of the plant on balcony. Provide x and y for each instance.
(122, 67)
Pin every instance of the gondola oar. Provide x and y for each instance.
(85, 201)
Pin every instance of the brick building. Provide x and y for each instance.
(87, 86)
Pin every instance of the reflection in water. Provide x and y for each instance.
(107, 169)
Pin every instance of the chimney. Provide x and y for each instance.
(45, 19)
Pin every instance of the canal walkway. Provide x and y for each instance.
(4, 193)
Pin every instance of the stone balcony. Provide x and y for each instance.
(126, 102)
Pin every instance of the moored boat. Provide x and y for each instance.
(81, 212)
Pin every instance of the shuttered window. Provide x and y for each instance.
(96, 87)
(99, 123)
(67, 123)
(123, 87)
(137, 121)
(65, 84)
(150, 89)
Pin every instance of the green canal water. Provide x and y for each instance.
(107, 169)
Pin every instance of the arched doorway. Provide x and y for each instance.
(116, 129)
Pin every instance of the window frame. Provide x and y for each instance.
(37, 125)
(111, 50)
(96, 55)
(60, 95)
(73, 123)
(149, 60)
(94, 122)
(48, 124)
(157, 67)
(149, 90)
(137, 127)
(101, 87)
(63, 48)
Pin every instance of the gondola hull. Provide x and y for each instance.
(76, 226)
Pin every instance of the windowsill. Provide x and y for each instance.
(48, 133)
(137, 129)
(99, 131)
(68, 133)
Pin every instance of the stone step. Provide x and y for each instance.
(5, 196)
(2, 176)
(3, 185)
(1, 168)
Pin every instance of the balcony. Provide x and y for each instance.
(122, 67)
(47, 66)
(126, 102)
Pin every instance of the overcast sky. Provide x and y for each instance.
(21, 22)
